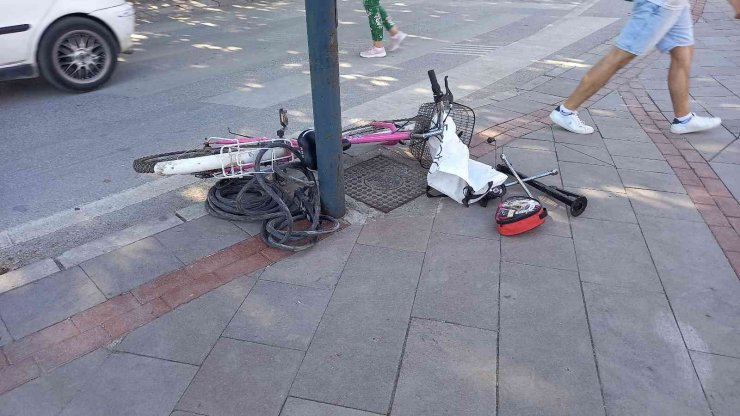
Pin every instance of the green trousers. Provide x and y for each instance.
(378, 19)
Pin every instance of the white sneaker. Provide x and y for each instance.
(373, 53)
(694, 124)
(396, 40)
(570, 122)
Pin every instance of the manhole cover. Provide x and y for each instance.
(383, 183)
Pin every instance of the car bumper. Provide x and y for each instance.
(122, 20)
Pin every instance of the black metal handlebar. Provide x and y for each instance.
(436, 90)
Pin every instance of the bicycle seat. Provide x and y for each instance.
(307, 143)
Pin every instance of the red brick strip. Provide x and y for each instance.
(712, 199)
(27, 358)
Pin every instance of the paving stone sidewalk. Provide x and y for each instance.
(631, 308)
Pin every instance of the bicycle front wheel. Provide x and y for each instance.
(146, 164)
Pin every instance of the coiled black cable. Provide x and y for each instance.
(288, 206)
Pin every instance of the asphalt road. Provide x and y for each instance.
(196, 73)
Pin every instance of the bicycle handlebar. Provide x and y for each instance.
(435, 85)
(437, 90)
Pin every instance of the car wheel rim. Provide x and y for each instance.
(81, 56)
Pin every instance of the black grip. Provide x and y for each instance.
(435, 85)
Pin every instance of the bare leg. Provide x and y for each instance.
(736, 6)
(598, 76)
(678, 79)
(378, 44)
(394, 30)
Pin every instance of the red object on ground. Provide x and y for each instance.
(519, 214)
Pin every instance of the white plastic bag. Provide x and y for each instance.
(453, 173)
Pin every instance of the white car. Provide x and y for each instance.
(74, 44)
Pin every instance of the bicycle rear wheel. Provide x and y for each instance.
(146, 164)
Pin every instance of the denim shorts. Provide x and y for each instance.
(654, 26)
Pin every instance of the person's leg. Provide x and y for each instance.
(679, 41)
(598, 76)
(566, 115)
(678, 79)
(396, 35)
(736, 5)
(375, 20)
(648, 24)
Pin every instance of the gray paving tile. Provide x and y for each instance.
(610, 113)
(723, 107)
(459, 281)
(300, 407)
(447, 369)
(612, 101)
(473, 221)
(564, 136)
(405, 233)
(189, 332)
(730, 175)
(520, 105)
(539, 249)
(730, 154)
(128, 384)
(575, 74)
(27, 274)
(542, 97)
(645, 165)
(130, 266)
(583, 154)
(579, 175)
(643, 364)
(279, 314)
(242, 378)
(609, 206)
(614, 253)
(530, 144)
(46, 395)
(47, 301)
(198, 238)
(663, 204)
(633, 149)
(529, 162)
(353, 358)
(558, 86)
(546, 359)
(558, 222)
(623, 130)
(318, 267)
(720, 377)
(664, 182)
(250, 227)
(5, 337)
(541, 134)
(491, 115)
(699, 281)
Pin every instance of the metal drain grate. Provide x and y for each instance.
(383, 183)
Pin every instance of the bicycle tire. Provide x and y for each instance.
(146, 164)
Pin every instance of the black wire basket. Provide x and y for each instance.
(464, 118)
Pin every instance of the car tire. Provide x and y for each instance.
(77, 54)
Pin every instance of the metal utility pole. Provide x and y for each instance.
(321, 23)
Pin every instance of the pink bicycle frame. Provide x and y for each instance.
(389, 139)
